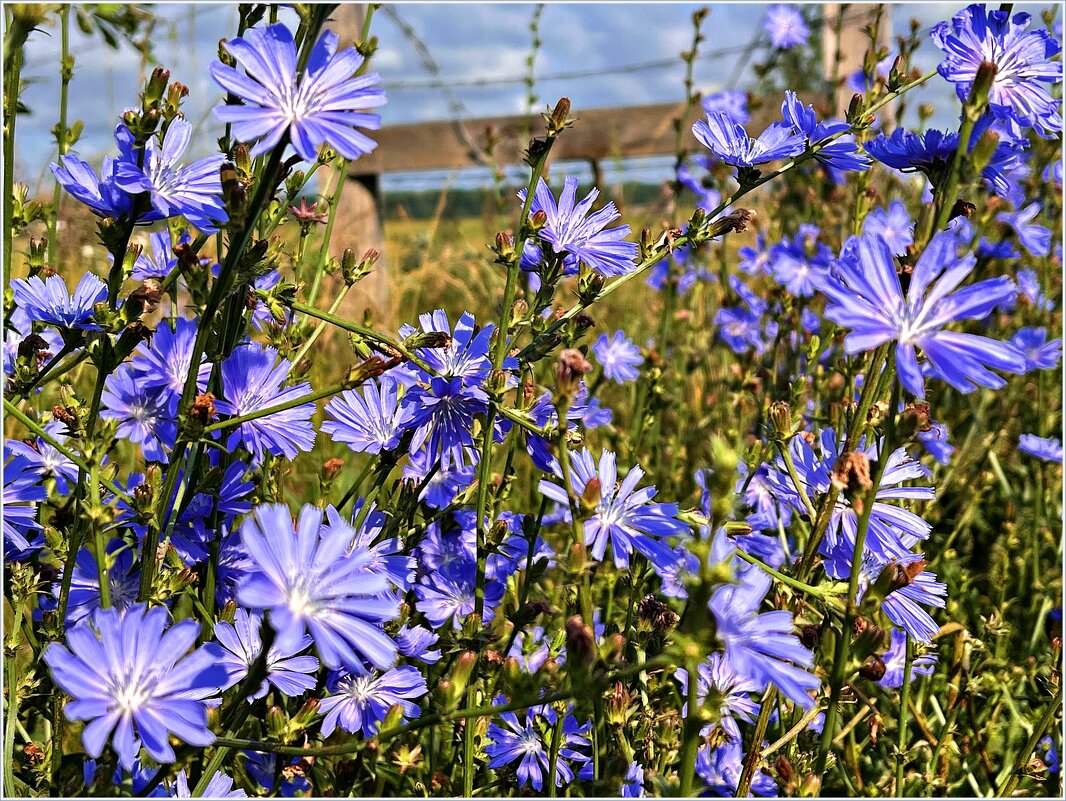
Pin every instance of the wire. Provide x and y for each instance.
(760, 38)
(455, 106)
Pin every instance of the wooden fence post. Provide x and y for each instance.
(359, 222)
(853, 44)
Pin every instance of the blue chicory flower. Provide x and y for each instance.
(142, 694)
(618, 357)
(311, 580)
(624, 516)
(578, 233)
(361, 702)
(1024, 63)
(289, 672)
(786, 26)
(866, 296)
(324, 104)
(729, 142)
(46, 300)
(1048, 449)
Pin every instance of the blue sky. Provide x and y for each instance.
(469, 41)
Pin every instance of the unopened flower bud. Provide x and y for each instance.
(914, 419)
(572, 367)
(873, 668)
(580, 642)
(156, 86)
(559, 118)
(781, 420)
(851, 473)
(203, 408)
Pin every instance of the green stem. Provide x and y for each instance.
(843, 644)
(17, 34)
(98, 536)
(754, 753)
(383, 340)
(553, 753)
(80, 463)
(691, 729)
(1010, 784)
(905, 697)
(314, 397)
(809, 589)
(66, 72)
(12, 679)
(468, 744)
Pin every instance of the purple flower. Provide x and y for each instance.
(443, 485)
(839, 156)
(289, 673)
(165, 359)
(195, 192)
(448, 593)
(466, 354)
(416, 642)
(220, 786)
(44, 460)
(137, 680)
(1039, 353)
(263, 767)
(892, 225)
(623, 515)
(1045, 751)
(866, 296)
(577, 233)
(731, 102)
(801, 263)
(931, 151)
(894, 660)
(720, 767)
(22, 493)
(786, 27)
(252, 378)
(1034, 238)
(310, 579)
(618, 357)
(158, 259)
(323, 105)
(759, 646)
(903, 606)
(47, 301)
(1023, 62)
(729, 142)
(147, 417)
(361, 702)
(1029, 285)
(893, 531)
(527, 742)
(443, 413)
(633, 782)
(935, 441)
(368, 422)
(123, 581)
(755, 260)
(728, 692)
(1047, 448)
(103, 195)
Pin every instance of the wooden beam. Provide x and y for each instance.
(597, 134)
